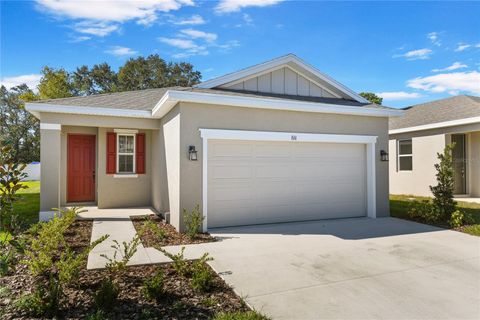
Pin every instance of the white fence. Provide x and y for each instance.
(33, 171)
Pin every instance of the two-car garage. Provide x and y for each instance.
(267, 177)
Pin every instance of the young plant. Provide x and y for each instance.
(423, 211)
(202, 278)
(443, 191)
(8, 249)
(153, 288)
(127, 251)
(152, 227)
(178, 261)
(193, 221)
(47, 243)
(106, 296)
(45, 301)
(11, 176)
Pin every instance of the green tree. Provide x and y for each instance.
(443, 191)
(153, 72)
(372, 97)
(18, 128)
(104, 78)
(55, 83)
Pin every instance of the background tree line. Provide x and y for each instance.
(20, 130)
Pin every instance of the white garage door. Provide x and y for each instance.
(253, 182)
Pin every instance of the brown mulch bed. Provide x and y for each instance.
(172, 236)
(179, 302)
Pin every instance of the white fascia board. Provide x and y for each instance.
(219, 134)
(171, 97)
(36, 108)
(274, 64)
(50, 126)
(437, 125)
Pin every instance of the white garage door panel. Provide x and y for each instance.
(263, 182)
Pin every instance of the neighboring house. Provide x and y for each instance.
(424, 131)
(279, 141)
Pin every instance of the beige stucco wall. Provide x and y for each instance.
(50, 145)
(196, 116)
(474, 157)
(426, 144)
(123, 192)
(417, 181)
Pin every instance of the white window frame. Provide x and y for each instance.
(126, 154)
(404, 155)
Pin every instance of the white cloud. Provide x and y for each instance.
(454, 66)
(121, 51)
(415, 54)
(468, 82)
(193, 20)
(226, 47)
(462, 47)
(477, 45)
(103, 17)
(226, 6)
(31, 80)
(79, 39)
(433, 36)
(197, 34)
(99, 29)
(190, 47)
(398, 95)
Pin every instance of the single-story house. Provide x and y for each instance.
(276, 142)
(424, 131)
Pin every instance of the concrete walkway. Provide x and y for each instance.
(117, 224)
(361, 268)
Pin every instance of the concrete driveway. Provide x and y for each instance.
(350, 269)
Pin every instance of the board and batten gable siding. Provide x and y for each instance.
(282, 81)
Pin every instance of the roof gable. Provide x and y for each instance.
(284, 75)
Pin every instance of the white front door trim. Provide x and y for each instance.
(219, 134)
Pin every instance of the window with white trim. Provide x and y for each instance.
(125, 153)
(404, 155)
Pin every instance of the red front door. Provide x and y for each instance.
(81, 168)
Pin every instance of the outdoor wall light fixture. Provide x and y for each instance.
(383, 155)
(192, 153)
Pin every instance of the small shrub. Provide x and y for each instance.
(106, 296)
(443, 191)
(246, 315)
(460, 218)
(193, 221)
(8, 248)
(44, 301)
(46, 244)
(98, 315)
(202, 278)
(423, 211)
(153, 288)
(154, 228)
(127, 251)
(178, 261)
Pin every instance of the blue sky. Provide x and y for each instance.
(409, 52)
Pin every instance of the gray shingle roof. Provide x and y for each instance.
(147, 99)
(453, 108)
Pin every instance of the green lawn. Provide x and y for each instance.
(399, 206)
(28, 205)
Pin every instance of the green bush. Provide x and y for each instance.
(126, 250)
(202, 277)
(423, 211)
(44, 301)
(45, 245)
(8, 249)
(153, 288)
(154, 228)
(98, 315)
(460, 218)
(106, 296)
(178, 261)
(248, 315)
(443, 191)
(193, 221)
